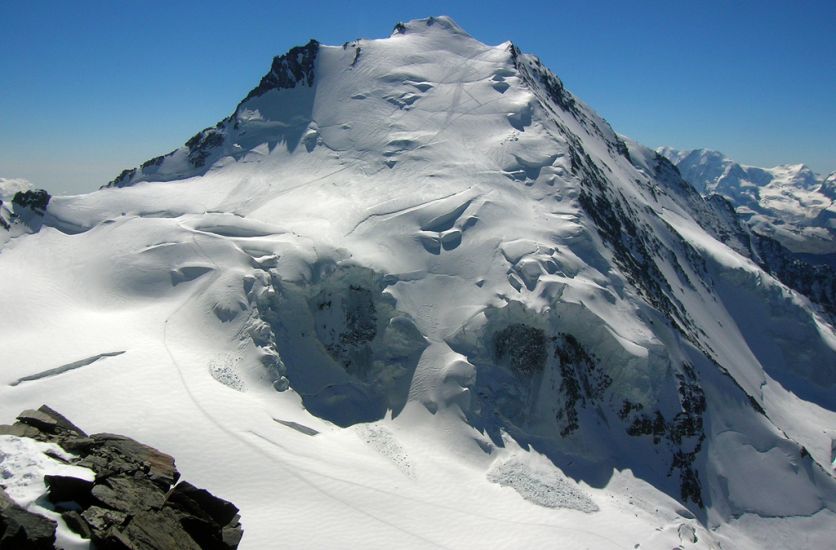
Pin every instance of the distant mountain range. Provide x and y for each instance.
(789, 203)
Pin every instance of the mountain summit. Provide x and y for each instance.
(416, 285)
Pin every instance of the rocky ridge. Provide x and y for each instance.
(134, 502)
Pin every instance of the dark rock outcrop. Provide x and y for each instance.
(133, 502)
(288, 70)
(817, 282)
(66, 490)
(201, 145)
(204, 516)
(35, 200)
(523, 346)
(77, 524)
(114, 455)
(582, 380)
(5, 216)
(124, 177)
(22, 529)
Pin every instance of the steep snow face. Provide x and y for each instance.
(429, 243)
(788, 203)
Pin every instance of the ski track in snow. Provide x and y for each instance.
(238, 436)
(294, 471)
(433, 504)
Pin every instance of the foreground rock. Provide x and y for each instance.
(20, 528)
(134, 502)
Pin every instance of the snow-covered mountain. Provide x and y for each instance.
(413, 292)
(788, 203)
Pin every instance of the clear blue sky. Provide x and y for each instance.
(88, 88)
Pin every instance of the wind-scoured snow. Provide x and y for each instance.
(406, 272)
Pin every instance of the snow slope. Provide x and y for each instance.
(789, 203)
(414, 293)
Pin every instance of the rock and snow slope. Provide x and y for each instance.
(413, 292)
(788, 203)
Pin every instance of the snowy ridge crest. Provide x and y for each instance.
(440, 23)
